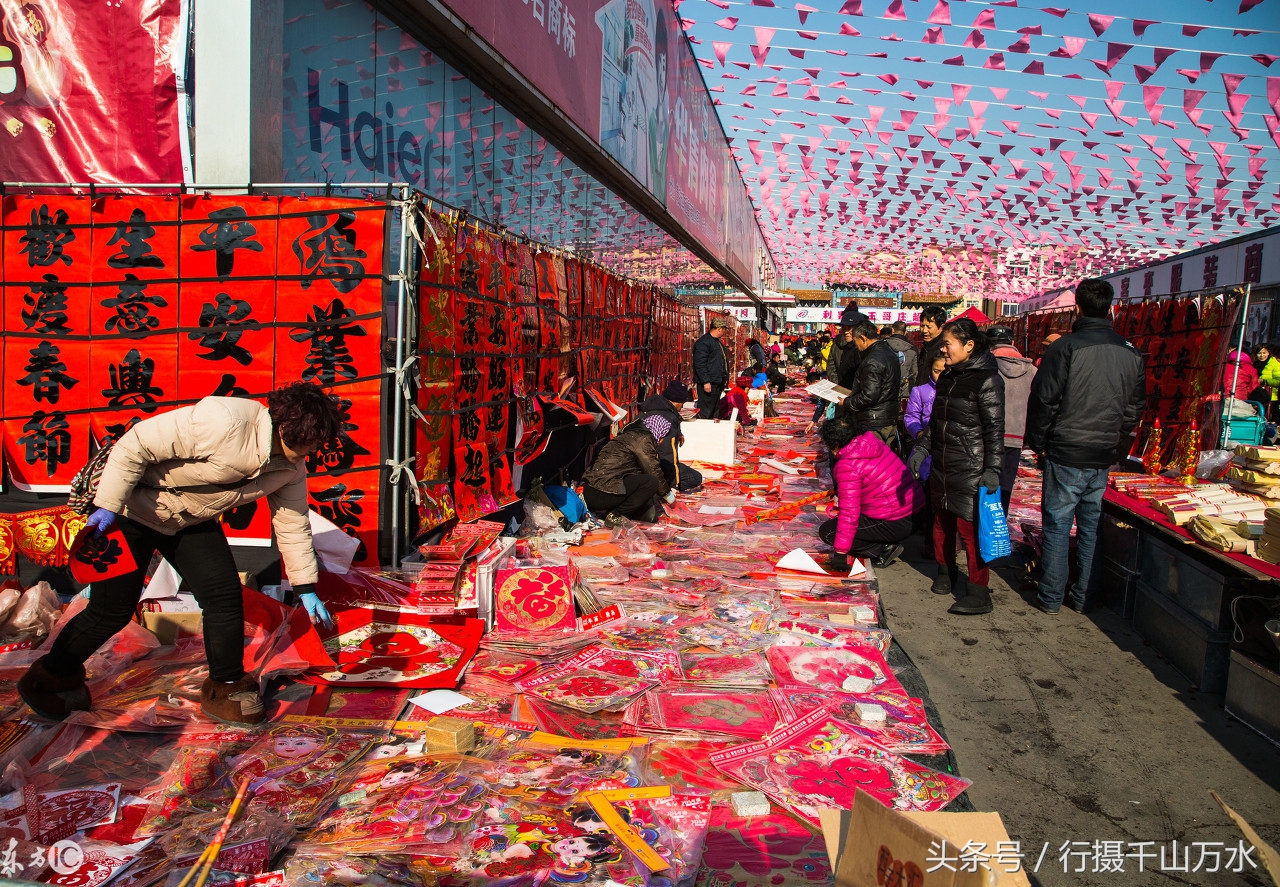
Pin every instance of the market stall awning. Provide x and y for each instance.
(973, 314)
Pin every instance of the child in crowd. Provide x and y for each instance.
(920, 407)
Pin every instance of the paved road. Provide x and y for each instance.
(1075, 730)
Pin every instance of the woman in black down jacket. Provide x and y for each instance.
(965, 436)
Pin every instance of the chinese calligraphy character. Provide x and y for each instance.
(497, 376)
(48, 308)
(47, 237)
(553, 20)
(473, 473)
(225, 321)
(46, 373)
(568, 31)
(133, 308)
(471, 317)
(230, 230)
(135, 251)
(99, 553)
(339, 454)
(228, 387)
(469, 425)
(468, 375)
(115, 432)
(9, 865)
(131, 383)
(342, 506)
(330, 250)
(498, 336)
(327, 330)
(469, 275)
(47, 438)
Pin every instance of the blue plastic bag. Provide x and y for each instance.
(565, 499)
(993, 531)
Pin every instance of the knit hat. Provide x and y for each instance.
(760, 381)
(851, 316)
(657, 425)
(677, 392)
(720, 323)
(999, 335)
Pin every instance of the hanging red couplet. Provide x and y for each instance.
(47, 269)
(133, 371)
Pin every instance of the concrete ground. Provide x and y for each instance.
(1074, 730)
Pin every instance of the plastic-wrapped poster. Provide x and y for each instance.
(716, 635)
(726, 669)
(655, 666)
(850, 669)
(549, 774)
(805, 632)
(820, 761)
(382, 648)
(395, 804)
(586, 690)
(100, 862)
(905, 729)
(54, 814)
(687, 765)
(734, 713)
(762, 851)
(640, 637)
(293, 768)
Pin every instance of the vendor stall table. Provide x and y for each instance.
(1178, 592)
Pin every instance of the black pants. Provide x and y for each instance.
(1009, 475)
(635, 502)
(202, 557)
(709, 402)
(874, 536)
(690, 477)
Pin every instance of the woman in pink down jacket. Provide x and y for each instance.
(880, 502)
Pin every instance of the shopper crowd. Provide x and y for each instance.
(924, 434)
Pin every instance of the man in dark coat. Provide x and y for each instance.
(710, 368)
(668, 405)
(842, 363)
(932, 320)
(874, 395)
(1086, 400)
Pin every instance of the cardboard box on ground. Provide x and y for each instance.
(871, 843)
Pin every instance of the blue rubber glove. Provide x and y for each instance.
(671, 497)
(101, 521)
(315, 609)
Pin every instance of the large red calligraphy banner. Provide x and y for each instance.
(119, 308)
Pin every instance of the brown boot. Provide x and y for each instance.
(53, 696)
(237, 704)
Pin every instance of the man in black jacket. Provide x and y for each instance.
(874, 395)
(710, 368)
(842, 363)
(1086, 400)
(668, 405)
(932, 320)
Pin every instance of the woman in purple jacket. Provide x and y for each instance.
(920, 407)
(880, 502)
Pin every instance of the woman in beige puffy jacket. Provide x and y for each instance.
(165, 483)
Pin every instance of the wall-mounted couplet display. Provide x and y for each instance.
(121, 307)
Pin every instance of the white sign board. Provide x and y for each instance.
(813, 315)
(746, 314)
(832, 315)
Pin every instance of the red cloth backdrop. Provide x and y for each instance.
(120, 308)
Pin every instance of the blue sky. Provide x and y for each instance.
(1069, 159)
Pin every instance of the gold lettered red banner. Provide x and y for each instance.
(39, 536)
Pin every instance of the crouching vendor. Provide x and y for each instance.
(164, 484)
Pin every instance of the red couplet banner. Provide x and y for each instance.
(93, 92)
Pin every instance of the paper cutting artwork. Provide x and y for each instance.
(534, 600)
(381, 648)
(820, 761)
(905, 729)
(850, 669)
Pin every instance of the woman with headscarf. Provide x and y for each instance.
(627, 475)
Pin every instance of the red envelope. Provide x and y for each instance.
(94, 558)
